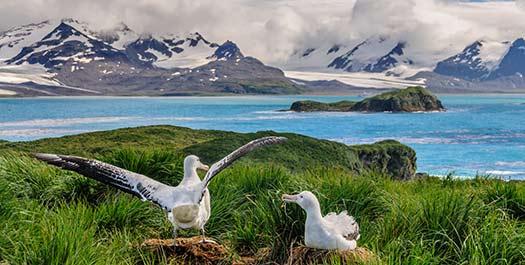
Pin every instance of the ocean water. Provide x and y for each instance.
(482, 134)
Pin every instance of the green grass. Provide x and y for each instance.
(310, 105)
(52, 216)
(298, 154)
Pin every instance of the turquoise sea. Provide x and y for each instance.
(481, 134)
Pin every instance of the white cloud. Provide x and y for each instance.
(273, 29)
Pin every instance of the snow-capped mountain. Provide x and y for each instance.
(475, 62)
(74, 56)
(392, 59)
(70, 54)
(65, 43)
(51, 45)
(314, 58)
(172, 51)
(383, 62)
(13, 40)
(373, 55)
(513, 63)
(376, 62)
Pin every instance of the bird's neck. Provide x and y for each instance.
(313, 214)
(190, 176)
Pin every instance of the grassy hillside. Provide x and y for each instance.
(299, 153)
(52, 216)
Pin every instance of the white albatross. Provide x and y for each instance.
(334, 231)
(187, 205)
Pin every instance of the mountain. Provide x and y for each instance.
(391, 60)
(475, 62)
(513, 63)
(483, 66)
(172, 51)
(68, 57)
(373, 55)
(65, 44)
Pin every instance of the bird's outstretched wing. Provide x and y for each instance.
(343, 224)
(241, 151)
(139, 185)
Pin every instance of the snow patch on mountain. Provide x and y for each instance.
(18, 74)
(358, 79)
(367, 56)
(492, 52)
(314, 59)
(13, 40)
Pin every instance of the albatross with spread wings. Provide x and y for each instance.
(187, 205)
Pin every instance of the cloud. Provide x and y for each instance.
(272, 29)
(520, 4)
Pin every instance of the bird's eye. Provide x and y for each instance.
(301, 196)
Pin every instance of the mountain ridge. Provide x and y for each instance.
(170, 64)
(68, 57)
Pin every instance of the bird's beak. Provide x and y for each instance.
(289, 198)
(204, 167)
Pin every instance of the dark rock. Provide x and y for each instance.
(388, 157)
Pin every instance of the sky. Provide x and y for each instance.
(272, 29)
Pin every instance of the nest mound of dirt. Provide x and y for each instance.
(305, 255)
(190, 251)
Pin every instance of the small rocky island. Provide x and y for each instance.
(411, 99)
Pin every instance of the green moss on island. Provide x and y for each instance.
(310, 106)
(411, 99)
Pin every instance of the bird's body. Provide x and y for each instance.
(333, 231)
(187, 204)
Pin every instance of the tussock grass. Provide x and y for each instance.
(51, 216)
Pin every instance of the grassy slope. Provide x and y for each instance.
(299, 153)
(51, 216)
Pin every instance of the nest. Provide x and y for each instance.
(194, 251)
(305, 255)
(189, 251)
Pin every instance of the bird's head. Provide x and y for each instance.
(305, 199)
(193, 162)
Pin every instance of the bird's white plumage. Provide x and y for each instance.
(334, 231)
(187, 205)
(343, 224)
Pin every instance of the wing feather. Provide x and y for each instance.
(241, 151)
(136, 184)
(343, 224)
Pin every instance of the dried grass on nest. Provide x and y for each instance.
(305, 255)
(190, 251)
